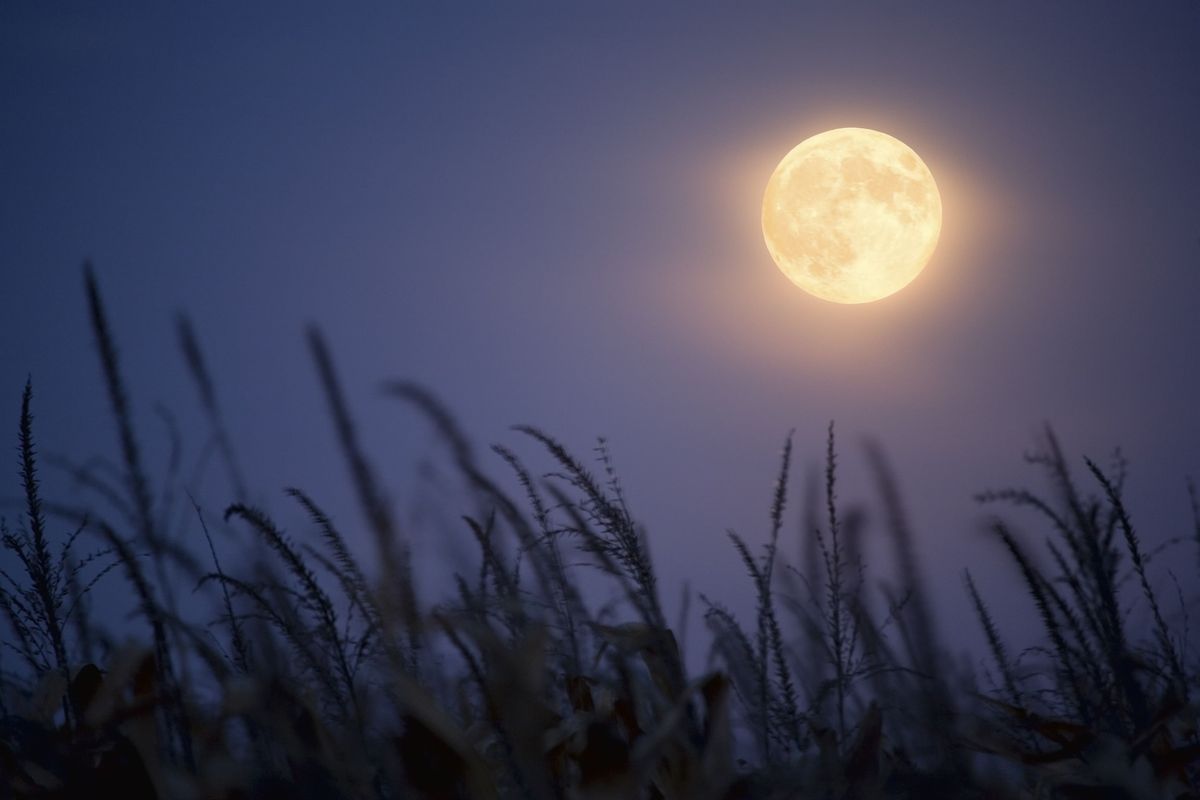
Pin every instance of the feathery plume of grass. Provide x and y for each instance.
(735, 649)
(609, 533)
(838, 626)
(539, 547)
(1098, 560)
(198, 367)
(395, 557)
(1036, 585)
(538, 544)
(1165, 643)
(569, 607)
(374, 506)
(21, 612)
(313, 598)
(45, 576)
(135, 476)
(241, 649)
(1082, 648)
(344, 566)
(53, 592)
(506, 581)
(1083, 637)
(769, 652)
(619, 537)
(789, 699)
(1087, 567)
(995, 643)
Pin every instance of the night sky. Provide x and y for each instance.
(550, 215)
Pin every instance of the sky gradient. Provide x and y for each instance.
(549, 214)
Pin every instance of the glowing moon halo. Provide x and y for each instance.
(851, 215)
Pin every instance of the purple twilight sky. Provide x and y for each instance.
(549, 214)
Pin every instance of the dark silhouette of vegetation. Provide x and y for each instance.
(321, 676)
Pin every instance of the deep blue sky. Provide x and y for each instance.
(551, 215)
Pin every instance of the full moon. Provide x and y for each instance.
(851, 215)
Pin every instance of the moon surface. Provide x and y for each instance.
(851, 215)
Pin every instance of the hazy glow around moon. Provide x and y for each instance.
(851, 215)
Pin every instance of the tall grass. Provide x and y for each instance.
(303, 666)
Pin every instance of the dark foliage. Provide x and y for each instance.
(324, 674)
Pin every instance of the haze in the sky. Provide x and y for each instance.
(550, 214)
